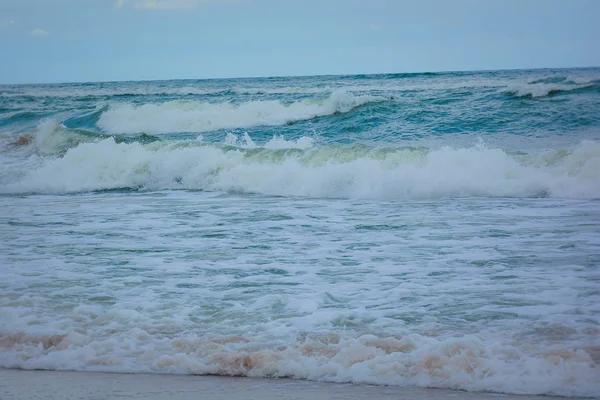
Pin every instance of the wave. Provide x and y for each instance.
(118, 91)
(276, 143)
(543, 88)
(536, 88)
(52, 139)
(18, 116)
(195, 116)
(468, 363)
(352, 86)
(301, 168)
(124, 92)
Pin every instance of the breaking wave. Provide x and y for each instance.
(196, 116)
(466, 363)
(301, 168)
(52, 139)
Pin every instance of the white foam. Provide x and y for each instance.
(51, 137)
(429, 294)
(466, 363)
(278, 142)
(329, 171)
(195, 116)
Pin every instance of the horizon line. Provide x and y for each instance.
(293, 76)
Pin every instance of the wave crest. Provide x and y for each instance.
(195, 116)
(300, 168)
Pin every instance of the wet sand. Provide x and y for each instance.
(55, 385)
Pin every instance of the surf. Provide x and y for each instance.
(198, 116)
(75, 161)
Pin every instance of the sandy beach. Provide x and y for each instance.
(30, 385)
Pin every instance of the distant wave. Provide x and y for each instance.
(194, 91)
(544, 89)
(354, 85)
(124, 92)
(536, 88)
(196, 116)
(301, 168)
(119, 91)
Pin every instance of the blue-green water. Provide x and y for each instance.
(434, 230)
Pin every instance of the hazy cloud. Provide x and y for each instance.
(5, 23)
(160, 4)
(39, 32)
(167, 4)
(374, 27)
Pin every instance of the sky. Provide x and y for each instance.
(107, 40)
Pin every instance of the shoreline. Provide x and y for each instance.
(16, 384)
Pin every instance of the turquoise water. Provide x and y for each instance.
(432, 230)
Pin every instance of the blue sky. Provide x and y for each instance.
(104, 40)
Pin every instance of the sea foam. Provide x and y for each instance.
(301, 168)
(196, 116)
(467, 363)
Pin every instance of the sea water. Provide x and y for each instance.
(430, 230)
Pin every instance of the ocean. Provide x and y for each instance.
(435, 230)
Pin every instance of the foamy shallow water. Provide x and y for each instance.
(477, 294)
